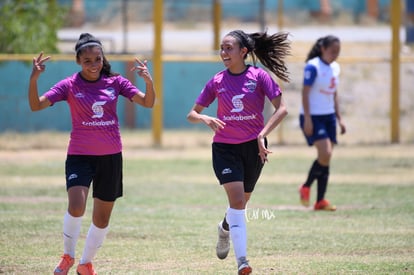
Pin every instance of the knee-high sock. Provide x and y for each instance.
(322, 183)
(314, 173)
(93, 242)
(71, 230)
(238, 234)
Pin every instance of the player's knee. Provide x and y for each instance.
(76, 211)
(238, 204)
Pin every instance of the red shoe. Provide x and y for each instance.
(245, 270)
(304, 193)
(324, 205)
(244, 267)
(86, 269)
(66, 262)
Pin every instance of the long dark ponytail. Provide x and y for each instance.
(271, 50)
(324, 42)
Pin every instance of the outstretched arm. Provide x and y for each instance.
(37, 103)
(147, 99)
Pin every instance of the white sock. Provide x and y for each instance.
(71, 230)
(238, 234)
(93, 242)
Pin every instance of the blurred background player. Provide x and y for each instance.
(319, 114)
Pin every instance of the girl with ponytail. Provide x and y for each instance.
(94, 155)
(319, 115)
(239, 146)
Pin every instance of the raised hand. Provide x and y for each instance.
(38, 65)
(142, 70)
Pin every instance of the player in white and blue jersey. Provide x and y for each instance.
(319, 114)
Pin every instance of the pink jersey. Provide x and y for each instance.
(241, 100)
(93, 107)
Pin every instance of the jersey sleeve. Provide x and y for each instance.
(309, 75)
(59, 91)
(127, 89)
(207, 95)
(269, 86)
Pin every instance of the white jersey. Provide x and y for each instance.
(323, 79)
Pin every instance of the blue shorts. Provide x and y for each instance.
(237, 162)
(324, 126)
(104, 171)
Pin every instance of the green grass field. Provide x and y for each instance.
(166, 221)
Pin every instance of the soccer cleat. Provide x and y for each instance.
(66, 262)
(324, 205)
(85, 269)
(244, 267)
(304, 193)
(223, 243)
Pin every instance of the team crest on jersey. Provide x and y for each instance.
(251, 85)
(110, 92)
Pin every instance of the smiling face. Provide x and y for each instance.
(232, 55)
(91, 61)
(331, 53)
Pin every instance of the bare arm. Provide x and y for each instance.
(276, 118)
(338, 114)
(37, 103)
(147, 99)
(278, 115)
(195, 116)
(308, 125)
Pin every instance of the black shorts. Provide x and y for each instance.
(237, 162)
(104, 171)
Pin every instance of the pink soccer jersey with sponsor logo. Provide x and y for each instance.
(93, 108)
(241, 100)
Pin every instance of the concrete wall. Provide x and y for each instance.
(182, 83)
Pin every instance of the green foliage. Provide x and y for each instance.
(28, 26)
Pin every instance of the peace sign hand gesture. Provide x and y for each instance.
(38, 66)
(142, 70)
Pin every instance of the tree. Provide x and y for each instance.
(29, 26)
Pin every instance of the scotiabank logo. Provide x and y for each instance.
(97, 109)
(237, 103)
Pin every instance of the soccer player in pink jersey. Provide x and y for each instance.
(239, 145)
(319, 114)
(95, 149)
